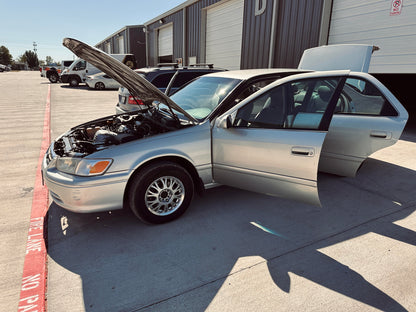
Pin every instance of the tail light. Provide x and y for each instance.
(135, 101)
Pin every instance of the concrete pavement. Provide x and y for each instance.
(22, 101)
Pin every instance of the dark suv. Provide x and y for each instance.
(162, 76)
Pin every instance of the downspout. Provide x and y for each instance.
(147, 45)
(273, 34)
(184, 41)
(325, 22)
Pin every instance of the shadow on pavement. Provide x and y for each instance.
(126, 265)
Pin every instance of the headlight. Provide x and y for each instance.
(83, 167)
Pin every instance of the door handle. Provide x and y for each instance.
(380, 134)
(303, 151)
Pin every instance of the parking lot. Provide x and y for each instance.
(232, 251)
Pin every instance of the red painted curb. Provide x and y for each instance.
(33, 290)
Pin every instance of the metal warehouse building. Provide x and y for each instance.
(273, 33)
(130, 39)
(236, 34)
(241, 34)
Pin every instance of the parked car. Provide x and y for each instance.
(53, 71)
(260, 130)
(2, 68)
(78, 71)
(162, 76)
(101, 81)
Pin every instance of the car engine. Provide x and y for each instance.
(96, 135)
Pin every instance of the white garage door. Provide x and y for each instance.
(380, 24)
(224, 32)
(165, 46)
(121, 45)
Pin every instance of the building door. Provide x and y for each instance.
(224, 30)
(165, 44)
(386, 24)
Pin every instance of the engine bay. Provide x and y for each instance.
(96, 135)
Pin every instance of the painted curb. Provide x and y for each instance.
(33, 289)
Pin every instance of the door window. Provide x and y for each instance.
(296, 105)
(361, 97)
(81, 65)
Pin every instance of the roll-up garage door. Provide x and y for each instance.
(165, 46)
(224, 30)
(386, 24)
(121, 45)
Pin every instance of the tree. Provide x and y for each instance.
(49, 60)
(22, 59)
(32, 59)
(5, 56)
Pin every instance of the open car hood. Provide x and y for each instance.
(137, 85)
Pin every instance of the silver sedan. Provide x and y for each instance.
(263, 130)
(101, 81)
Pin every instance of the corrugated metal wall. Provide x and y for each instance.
(134, 42)
(256, 35)
(370, 22)
(298, 24)
(137, 45)
(298, 28)
(193, 27)
(177, 20)
(115, 43)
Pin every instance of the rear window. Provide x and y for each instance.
(162, 80)
(184, 77)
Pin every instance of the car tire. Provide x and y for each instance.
(160, 192)
(73, 81)
(53, 78)
(99, 86)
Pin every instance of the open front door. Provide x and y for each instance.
(271, 144)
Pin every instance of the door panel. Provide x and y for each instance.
(274, 143)
(365, 123)
(276, 162)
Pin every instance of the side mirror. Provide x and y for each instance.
(226, 123)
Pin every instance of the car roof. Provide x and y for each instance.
(245, 74)
(146, 70)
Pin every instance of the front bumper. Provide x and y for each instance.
(64, 78)
(85, 194)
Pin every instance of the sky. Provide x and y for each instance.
(47, 22)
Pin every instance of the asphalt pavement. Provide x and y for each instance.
(232, 251)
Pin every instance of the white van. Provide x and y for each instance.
(80, 68)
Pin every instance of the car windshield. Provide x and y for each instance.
(200, 97)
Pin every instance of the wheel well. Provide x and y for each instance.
(199, 185)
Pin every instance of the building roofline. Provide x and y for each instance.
(170, 12)
(117, 32)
